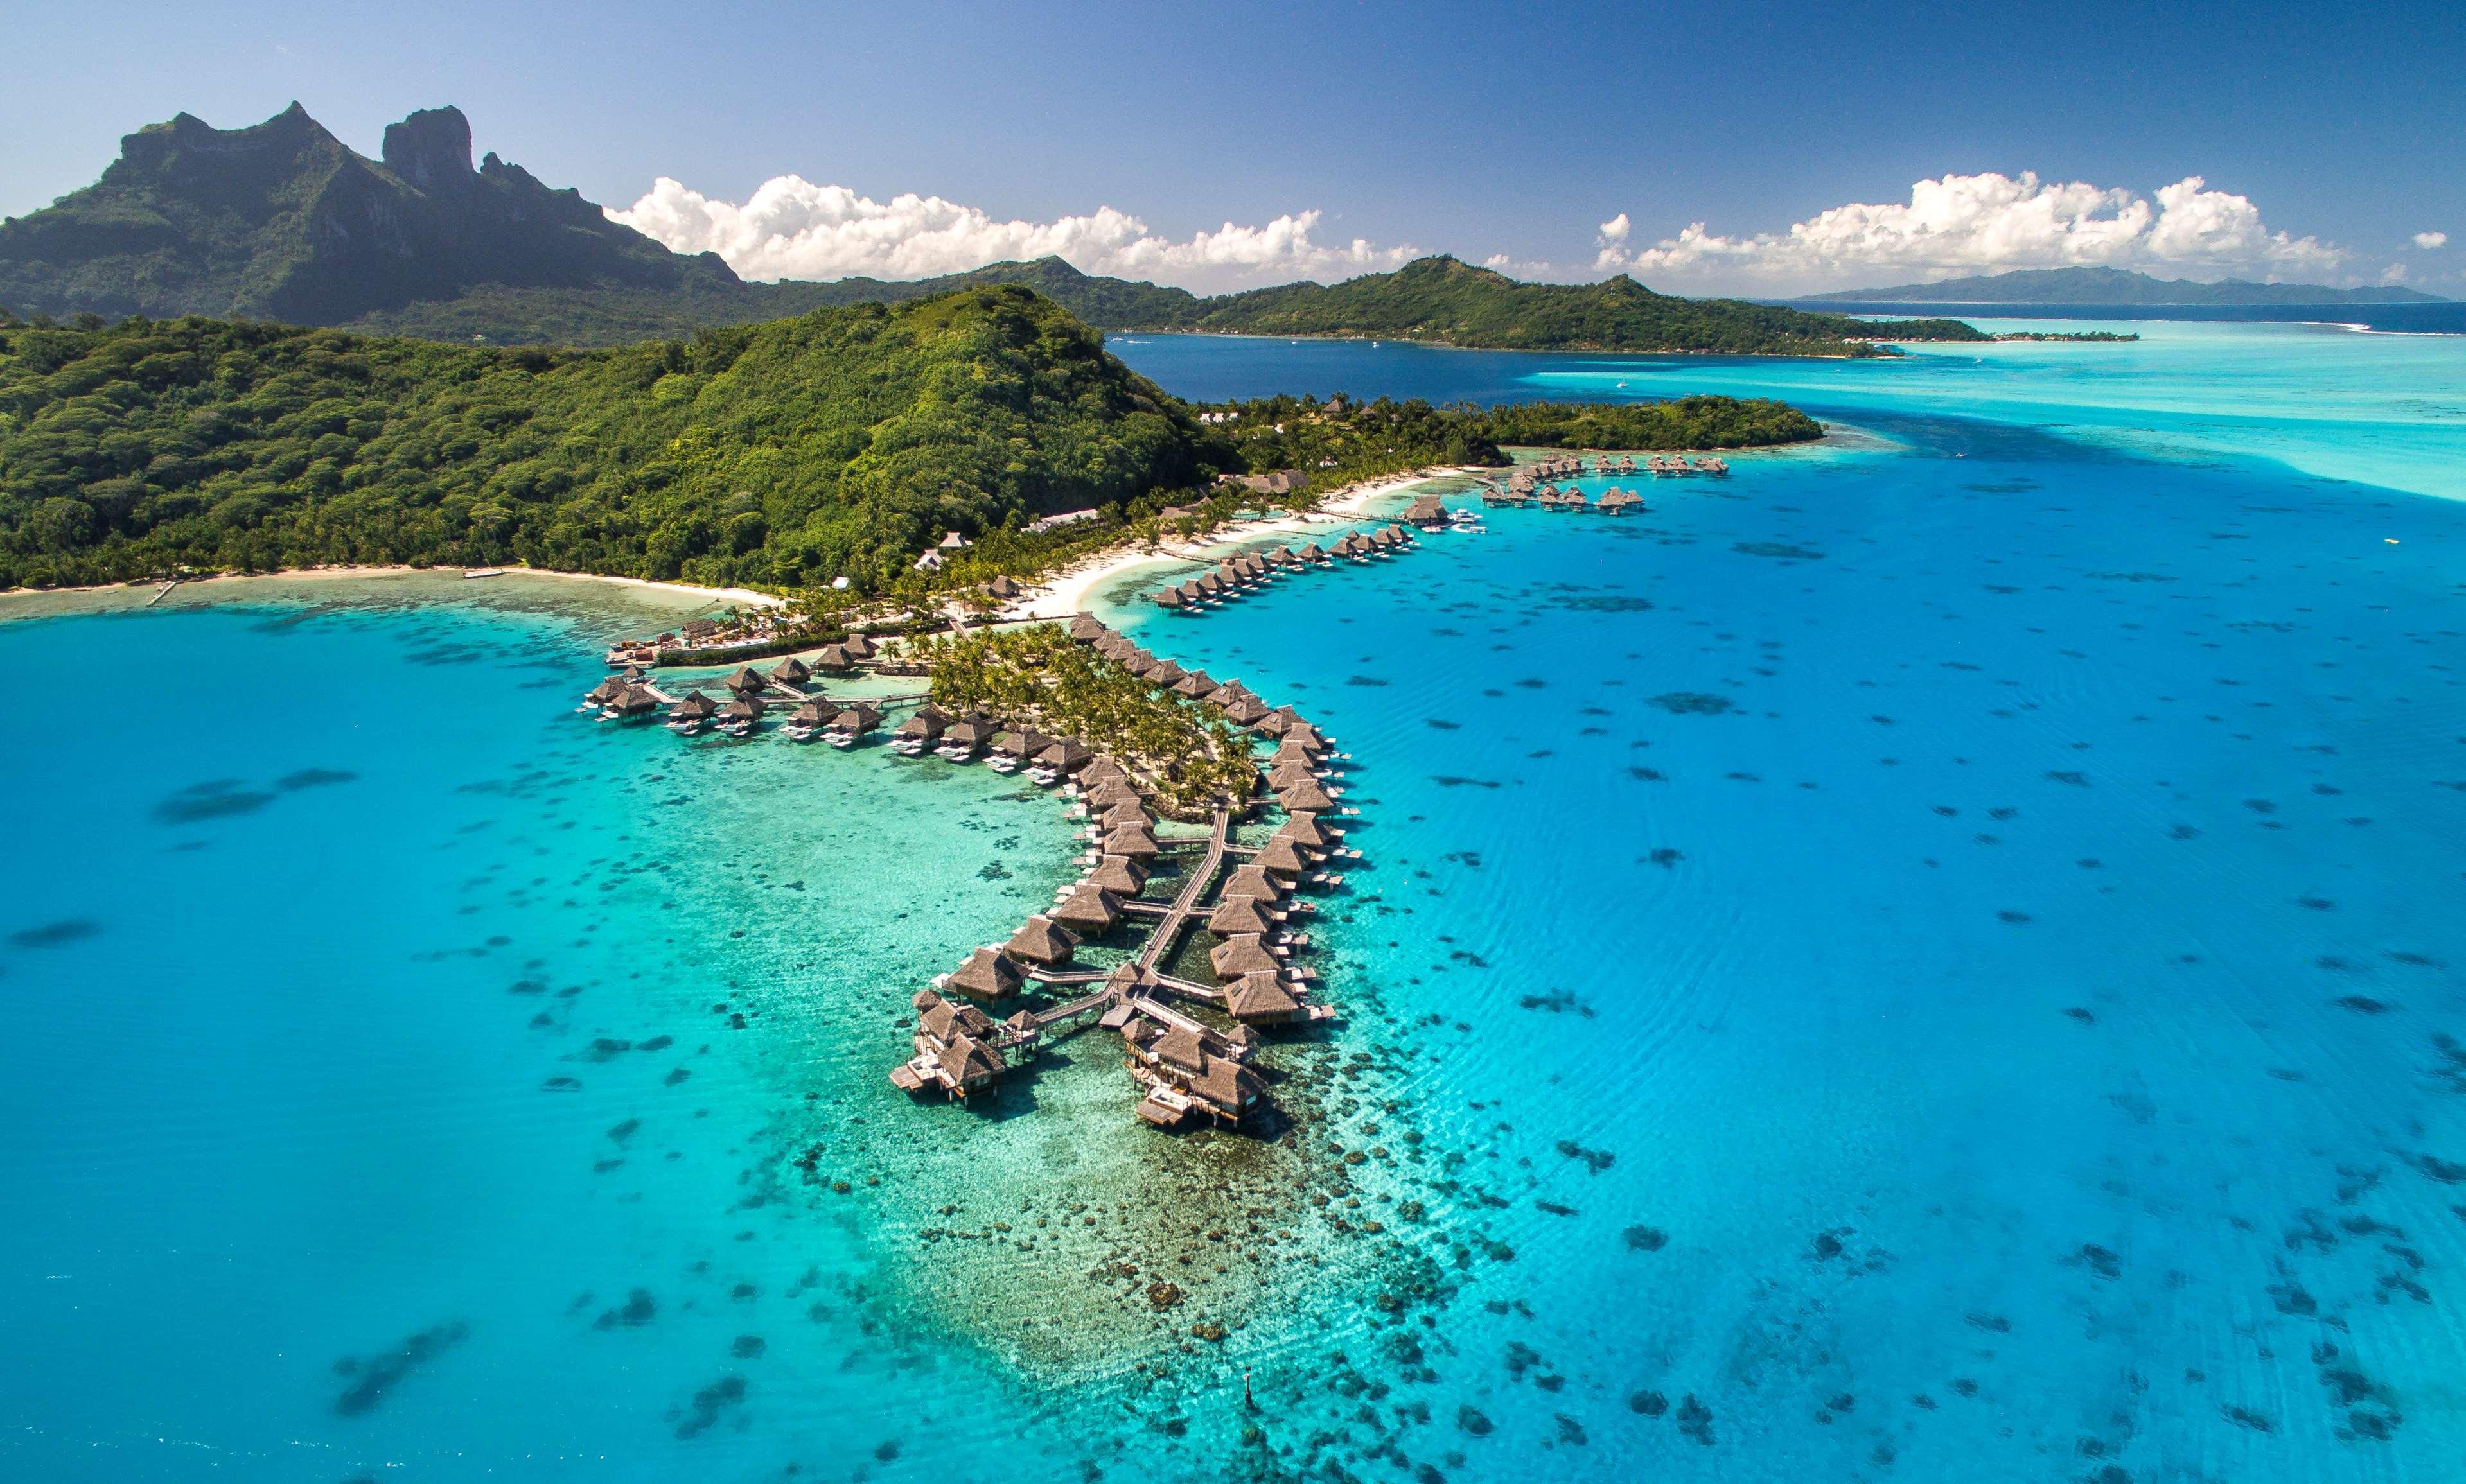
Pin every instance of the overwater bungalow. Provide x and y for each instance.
(1289, 775)
(989, 974)
(963, 739)
(1192, 686)
(1244, 710)
(850, 724)
(1119, 876)
(1303, 796)
(1618, 503)
(1277, 723)
(1042, 942)
(1262, 998)
(1292, 750)
(636, 702)
(1306, 831)
(1125, 817)
(1281, 855)
(741, 716)
(1058, 758)
(1427, 511)
(806, 721)
(1239, 914)
(1305, 734)
(601, 695)
(835, 658)
(1011, 750)
(1165, 674)
(1111, 793)
(1314, 554)
(1239, 955)
(918, 732)
(1102, 770)
(1089, 910)
(690, 715)
(746, 680)
(1137, 843)
(860, 646)
(1256, 882)
(791, 673)
(1167, 597)
(1088, 628)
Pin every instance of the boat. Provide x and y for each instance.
(485, 572)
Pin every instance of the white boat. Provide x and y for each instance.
(485, 571)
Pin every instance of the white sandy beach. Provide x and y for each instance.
(681, 597)
(1066, 592)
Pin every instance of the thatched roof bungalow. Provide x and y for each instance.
(1242, 954)
(1120, 875)
(1306, 831)
(1255, 881)
(1261, 997)
(989, 974)
(695, 707)
(1066, 755)
(1088, 628)
(747, 680)
(1041, 941)
(1137, 843)
(790, 671)
(1089, 910)
(1237, 915)
(1304, 797)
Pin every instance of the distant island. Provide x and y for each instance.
(2101, 286)
(787, 455)
(280, 220)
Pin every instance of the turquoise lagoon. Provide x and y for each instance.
(1935, 958)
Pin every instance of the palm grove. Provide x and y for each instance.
(780, 455)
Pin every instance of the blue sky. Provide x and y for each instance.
(2326, 139)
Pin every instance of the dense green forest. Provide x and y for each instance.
(779, 456)
(1447, 302)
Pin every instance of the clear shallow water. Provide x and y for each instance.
(1939, 955)
(2383, 409)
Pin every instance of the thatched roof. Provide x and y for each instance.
(1260, 998)
(1307, 734)
(1041, 941)
(1119, 875)
(1137, 843)
(1004, 587)
(1180, 1047)
(1190, 687)
(944, 1020)
(858, 719)
(1087, 627)
(860, 647)
(1126, 816)
(1255, 881)
(695, 707)
(968, 1061)
(1282, 857)
(747, 679)
(1167, 597)
(1314, 553)
(1111, 792)
(790, 671)
(1100, 771)
(638, 701)
(1237, 915)
(813, 713)
(1292, 750)
(1068, 754)
(1089, 909)
(989, 974)
(1227, 1085)
(835, 656)
(1304, 797)
(604, 692)
(1425, 508)
(1289, 775)
(1305, 830)
(970, 730)
(926, 725)
(744, 708)
(1165, 672)
(1241, 955)
(1244, 710)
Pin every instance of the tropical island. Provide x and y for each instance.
(823, 454)
(281, 220)
(2111, 286)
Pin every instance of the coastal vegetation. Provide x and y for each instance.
(1040, 677)
(2096, 285)
(781, 457)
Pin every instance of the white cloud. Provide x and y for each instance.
(2427, 241)
(1968, 224)
(792, 229)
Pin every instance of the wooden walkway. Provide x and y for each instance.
(1177, 917)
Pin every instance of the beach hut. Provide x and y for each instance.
(1003, 588)
(1261, 997)
(1120, 875)
(747, 680)
(1242, 954)
(1305, 796)
(1237, 915)
(1088, 628)
(1041, 941)
(989, 974)
(790, 671)
(1089, 910)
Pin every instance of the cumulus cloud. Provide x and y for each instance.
(2429, 240)
(1969, 224)
(791, 228)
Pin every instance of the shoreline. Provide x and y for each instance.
(234, 581)
(1065, 593)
